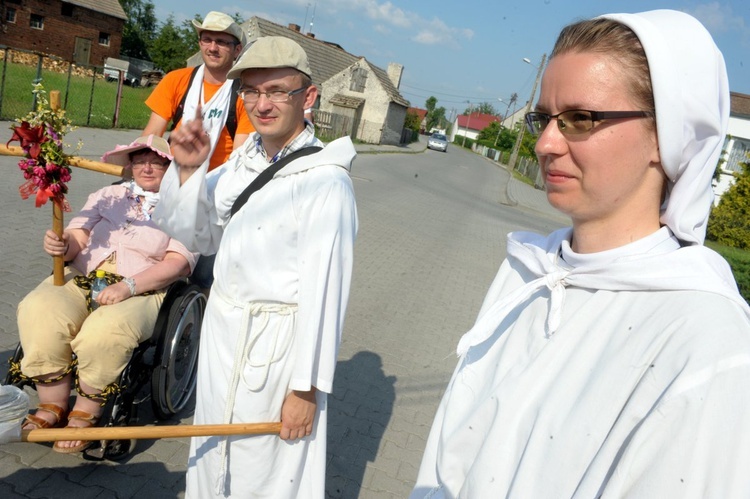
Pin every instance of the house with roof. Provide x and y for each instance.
(356, 97)
(422, 115)
(469, 125)
(82, 31)
(736, 144)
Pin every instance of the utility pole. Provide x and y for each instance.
(505, 117)
(468, 120)
(519, 137)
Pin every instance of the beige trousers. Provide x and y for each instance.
(53, 323)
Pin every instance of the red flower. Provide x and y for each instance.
(30, 138)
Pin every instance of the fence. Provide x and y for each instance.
(85, 94)
(330, 126)
(527, 167)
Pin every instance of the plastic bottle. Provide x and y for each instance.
(97, 285)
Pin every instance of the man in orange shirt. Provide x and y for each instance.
(182, 91)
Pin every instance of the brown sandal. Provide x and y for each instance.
(40, 423)
(87, 418)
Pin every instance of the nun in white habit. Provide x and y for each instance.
(610, 359)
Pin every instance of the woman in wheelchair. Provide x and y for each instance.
(113, 232)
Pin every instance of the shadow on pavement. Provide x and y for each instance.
(95, 480)
(358, 412)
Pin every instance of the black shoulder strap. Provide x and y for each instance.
(231, 122)
(267, 174)
(181, 106)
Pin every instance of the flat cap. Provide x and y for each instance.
(271, 52)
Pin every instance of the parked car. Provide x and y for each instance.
(438, 141)
(131, 73)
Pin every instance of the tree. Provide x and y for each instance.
(430, 104)
(174, 45)
(729, 222)
(495, 132)
(482, 108)
(140, 28)
(435, 115)
(412, 121)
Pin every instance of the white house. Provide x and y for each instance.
(737, 143)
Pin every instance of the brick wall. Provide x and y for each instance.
(59, 32)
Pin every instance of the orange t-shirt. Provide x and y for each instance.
(167, 96)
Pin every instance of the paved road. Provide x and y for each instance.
(431, 238)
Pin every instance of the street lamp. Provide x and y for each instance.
(468, 120)
(519, 137)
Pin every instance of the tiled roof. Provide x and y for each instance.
(739, 104)
(476, 121)
(326, 59)
(109, 7)
(419, 112)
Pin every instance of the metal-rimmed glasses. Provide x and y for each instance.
(251, 96)
(576, 121)
(156, 165)
(220, 42)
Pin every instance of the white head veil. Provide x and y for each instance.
(691, 92)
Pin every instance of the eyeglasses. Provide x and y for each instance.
(251, 96)
(577, 121)
(225, 44)
(156, 165)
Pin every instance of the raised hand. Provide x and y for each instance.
(190, 143)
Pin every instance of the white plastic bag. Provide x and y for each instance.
(14, 405)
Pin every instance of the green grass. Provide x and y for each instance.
(88, 101)
(739, 260)
(523, 178)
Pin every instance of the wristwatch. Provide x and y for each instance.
(131, 285)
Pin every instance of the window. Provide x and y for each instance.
(359, 78)
(103, 38)
(67, 10)
(36, 21)
(10, 15)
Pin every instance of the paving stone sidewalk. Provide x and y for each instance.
(430, 241)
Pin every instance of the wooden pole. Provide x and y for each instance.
(148, 432)
(88, 164)
(58, 261)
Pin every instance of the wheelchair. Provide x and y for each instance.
(162, 369)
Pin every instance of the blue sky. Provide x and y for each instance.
(470, 50)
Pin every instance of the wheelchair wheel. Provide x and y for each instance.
(176, 362)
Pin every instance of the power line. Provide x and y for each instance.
(464, 98)
(443, 93)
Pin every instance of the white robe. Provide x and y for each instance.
(635, 394)
(282, 277)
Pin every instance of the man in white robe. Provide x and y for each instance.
(275, 315)
(616, 373)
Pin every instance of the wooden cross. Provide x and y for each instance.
(58, 262)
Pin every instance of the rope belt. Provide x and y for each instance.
(85, 281)
(108, 391)
(246, 341)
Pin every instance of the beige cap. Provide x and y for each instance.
(121, 154)
(271, 52)
(221, 23)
